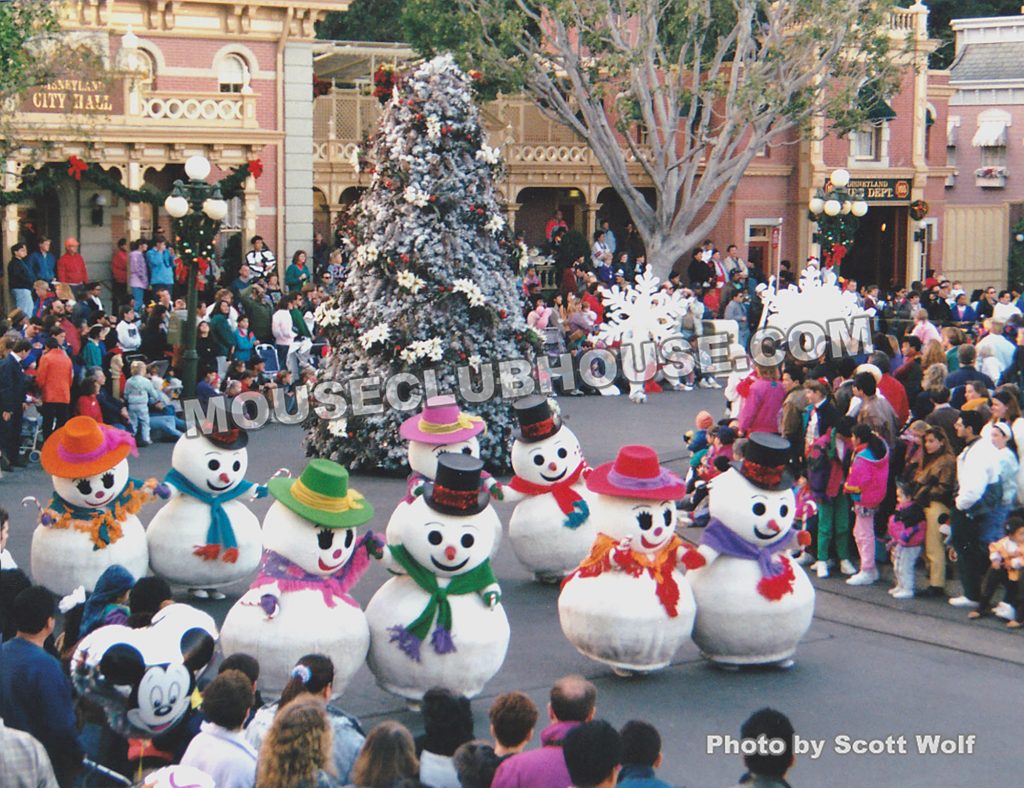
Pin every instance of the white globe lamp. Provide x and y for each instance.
(816, 205)
(840, 178)
(847, 207)
(215, 209)
(833, 207)
(176, 206)
(197, 168)
(859, 208)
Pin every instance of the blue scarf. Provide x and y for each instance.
(220, 531)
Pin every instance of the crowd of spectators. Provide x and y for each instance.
(66, 350)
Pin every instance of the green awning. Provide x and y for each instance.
(877, 108)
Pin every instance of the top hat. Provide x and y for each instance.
(765, 461)
(232, 439)
(441, 422)
(456, 488)
(536, 419)
(322, 495)
(83, 447)
(636, 473)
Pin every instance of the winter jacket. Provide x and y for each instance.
(139, 392)
(935, 481)
(541, 768)
(119, 266)
(44, 265)
(260, 315)
(92, 354)
(896, 394)
(89, 406)
(161, 267)
(19, 274)
(868, 478)
(761, 407)
(53, 376)
(71, 269)
(222, 335)
(907, 525)
(138, 272)
(128, 336)
(282, 327)
(977, 467)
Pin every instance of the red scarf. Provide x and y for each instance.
(564, 494)
(660, 567)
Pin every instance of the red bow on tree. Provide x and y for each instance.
(255, 168)
(76, 167)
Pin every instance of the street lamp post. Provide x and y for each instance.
(836, 211)
(197, 209)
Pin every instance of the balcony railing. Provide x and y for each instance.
(214, 109)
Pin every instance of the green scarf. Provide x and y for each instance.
(411, 637)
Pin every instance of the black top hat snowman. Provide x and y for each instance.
(456, 489)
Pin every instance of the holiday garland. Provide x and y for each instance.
(38, 180)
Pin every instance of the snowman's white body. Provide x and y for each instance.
(617, 618)
(536, 532)
(423, 461)
(63, 558)
(304, 623)
(480, 633)
(182, 523)
(736, 624)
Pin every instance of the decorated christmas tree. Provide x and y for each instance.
(430, 283)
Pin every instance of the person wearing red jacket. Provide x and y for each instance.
(53, 377)
(119, 273)
(71, 266)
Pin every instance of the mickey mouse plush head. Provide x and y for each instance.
(161, 693)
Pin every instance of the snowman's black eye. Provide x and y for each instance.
(213, 465)
(783, 510)
(237, 466)
(435, 538)
(645, 521)
(108, 480)
(467, 450)
(349, 537)
(325, 538)
(468, 540)
(759, 508)
(667, 517)
(563, 453)
(538, 459)
(83, 486)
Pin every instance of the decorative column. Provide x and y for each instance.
(592, 209)
(134, 180)
(12, 228)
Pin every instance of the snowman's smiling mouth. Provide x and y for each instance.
(445, 567)
(328, 567)
(651, 545)
(102, 501)
(554, 478)
(762, 535)
(217, 488)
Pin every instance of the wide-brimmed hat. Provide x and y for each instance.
(636, 473)
(765, 461)
(871, 369)
(441, 422)
(84, 447)
(322, 495)
(456, 488)
(536, 420)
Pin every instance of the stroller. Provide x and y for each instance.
(31, 432)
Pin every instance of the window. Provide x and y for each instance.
(866, 143)
(232, 74)
(993, 156)
(233, 219)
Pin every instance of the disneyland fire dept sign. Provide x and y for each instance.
(880, 189)
(83, 96)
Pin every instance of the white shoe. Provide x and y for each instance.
(804, 558)
(962, 601)
(704, 384)
(687, 387)
(863, 578)
(199, 593)
(822, 569)
(903, 593)
(1004, 610)
(892, 591)
(846, 567)
(714, 384)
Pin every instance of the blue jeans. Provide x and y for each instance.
(23, 301)
(139, 294)
(166, 426)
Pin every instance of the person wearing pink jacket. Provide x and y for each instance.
(762, 404)
(866, 484)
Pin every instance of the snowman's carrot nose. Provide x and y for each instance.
(552, 466)
(449, 553)
(225, 478)
(774, 526)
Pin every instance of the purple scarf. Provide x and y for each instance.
(275, 568)
(720, 538)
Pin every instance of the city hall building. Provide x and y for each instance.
(227, 79)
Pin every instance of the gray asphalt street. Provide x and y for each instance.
(870, 667)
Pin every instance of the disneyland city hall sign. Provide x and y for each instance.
(880, 189)
(81, 96)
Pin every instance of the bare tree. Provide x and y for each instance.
(689, 90)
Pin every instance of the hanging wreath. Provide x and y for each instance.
(918, 210)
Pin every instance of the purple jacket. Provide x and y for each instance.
(138, 272)
(541, 768)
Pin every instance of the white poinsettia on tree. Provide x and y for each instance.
(431, 284)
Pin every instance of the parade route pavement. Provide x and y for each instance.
(877, 671)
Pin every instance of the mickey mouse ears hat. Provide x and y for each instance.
(536, 419)
(456, 488)
(765, 461)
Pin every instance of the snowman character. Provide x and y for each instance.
(753, 602)
(204, 536)
(90, 522)
(440, 428)
(550, 530)
(439, 622)
(628, 604)
(299, 603)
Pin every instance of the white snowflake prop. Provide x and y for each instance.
(813, 301)
(639, 319)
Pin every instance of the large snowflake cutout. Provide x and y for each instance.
(815, 300)
(641, 313)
